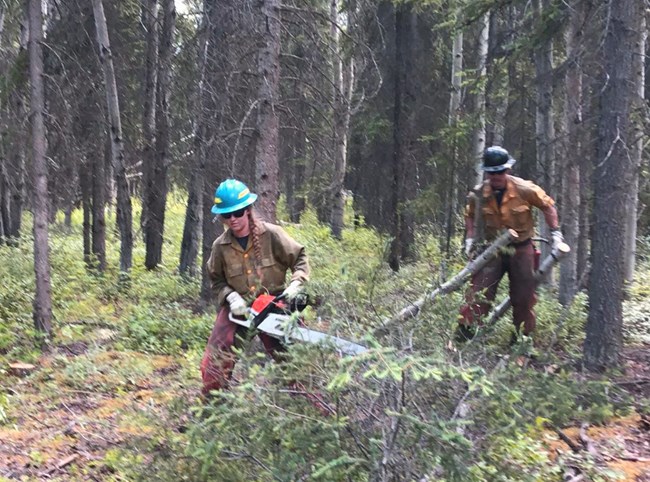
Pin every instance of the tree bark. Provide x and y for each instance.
(639, 121)
(43, 297)
(124, 211)
(573, 152)
(478, 142)
(544, 128)
(99, 206)
(157, 189)
(85, 186)
(150, 23)
(194, 212)
(268, 127)
(398, 154)
(613, 172)
(343, 80)
(454, 116)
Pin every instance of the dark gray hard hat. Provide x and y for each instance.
(496, 159)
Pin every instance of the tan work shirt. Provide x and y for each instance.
(515, 210)
(232, 268)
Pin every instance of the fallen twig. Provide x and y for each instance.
(587, 442)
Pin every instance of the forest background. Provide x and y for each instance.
(360, 125)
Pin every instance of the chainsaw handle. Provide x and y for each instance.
(235, 319)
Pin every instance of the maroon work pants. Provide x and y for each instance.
(219, 358)
(483, 288)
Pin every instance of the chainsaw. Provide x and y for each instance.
(273, 316)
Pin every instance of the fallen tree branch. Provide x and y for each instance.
(455, 283)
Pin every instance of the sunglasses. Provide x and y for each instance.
(496, 173)
(237, 214)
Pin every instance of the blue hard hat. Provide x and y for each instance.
(232, 195)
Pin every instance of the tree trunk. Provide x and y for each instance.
(99, 206)
(266, 147)
(194, 212)
(613, 173)
(210, 231)
(43, 296)
(157, 190)
(570, 214)
(397, 187)
(343, 79)
(5, 201)
(150, 23)
(640, 119)
(478, 142)
(124, 212)
(454, 116)
(85, 185)
(544, 128)
(497, 87)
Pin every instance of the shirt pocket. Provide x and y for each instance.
(272, 273)
(521, 217)
(233, 270)
(491, 218)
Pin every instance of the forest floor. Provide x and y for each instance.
(117, 390)
(85, 400)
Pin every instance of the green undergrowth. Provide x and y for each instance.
(416, 406)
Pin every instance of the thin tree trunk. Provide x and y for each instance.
(343, 79)
(99, 206)
(268, 127)
(85, 185)
(613, 173)
(150, 23)
(158, 187)
(544, 128)
(194, 212)
(43, 297)
(404, 170)
(124, 211)
(640, 118)
(573, 152)
(5, 201)
(497, 87)
(454, 115)
(18, 188)
(478, 142)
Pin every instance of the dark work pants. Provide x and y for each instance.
(483, 288)
(219, 358)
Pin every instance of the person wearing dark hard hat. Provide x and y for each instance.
(249, 258)
(507, 203)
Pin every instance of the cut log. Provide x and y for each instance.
(21, 369)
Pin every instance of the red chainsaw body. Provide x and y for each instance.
(262, 301)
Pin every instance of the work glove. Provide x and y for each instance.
(469, 243)
(557, 238)
(292, 290)
(237, 304)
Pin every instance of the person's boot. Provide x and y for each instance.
(464, 333)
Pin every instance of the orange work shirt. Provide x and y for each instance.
(515, 210)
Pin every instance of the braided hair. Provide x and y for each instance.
(253, 222)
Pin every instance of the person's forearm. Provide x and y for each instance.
(550, 215)
(469, 227)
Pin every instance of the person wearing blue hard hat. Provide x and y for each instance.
(249, 258)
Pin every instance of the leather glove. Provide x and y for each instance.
(237, 304)
(292, 290)
(469, 243)
(557, 238)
